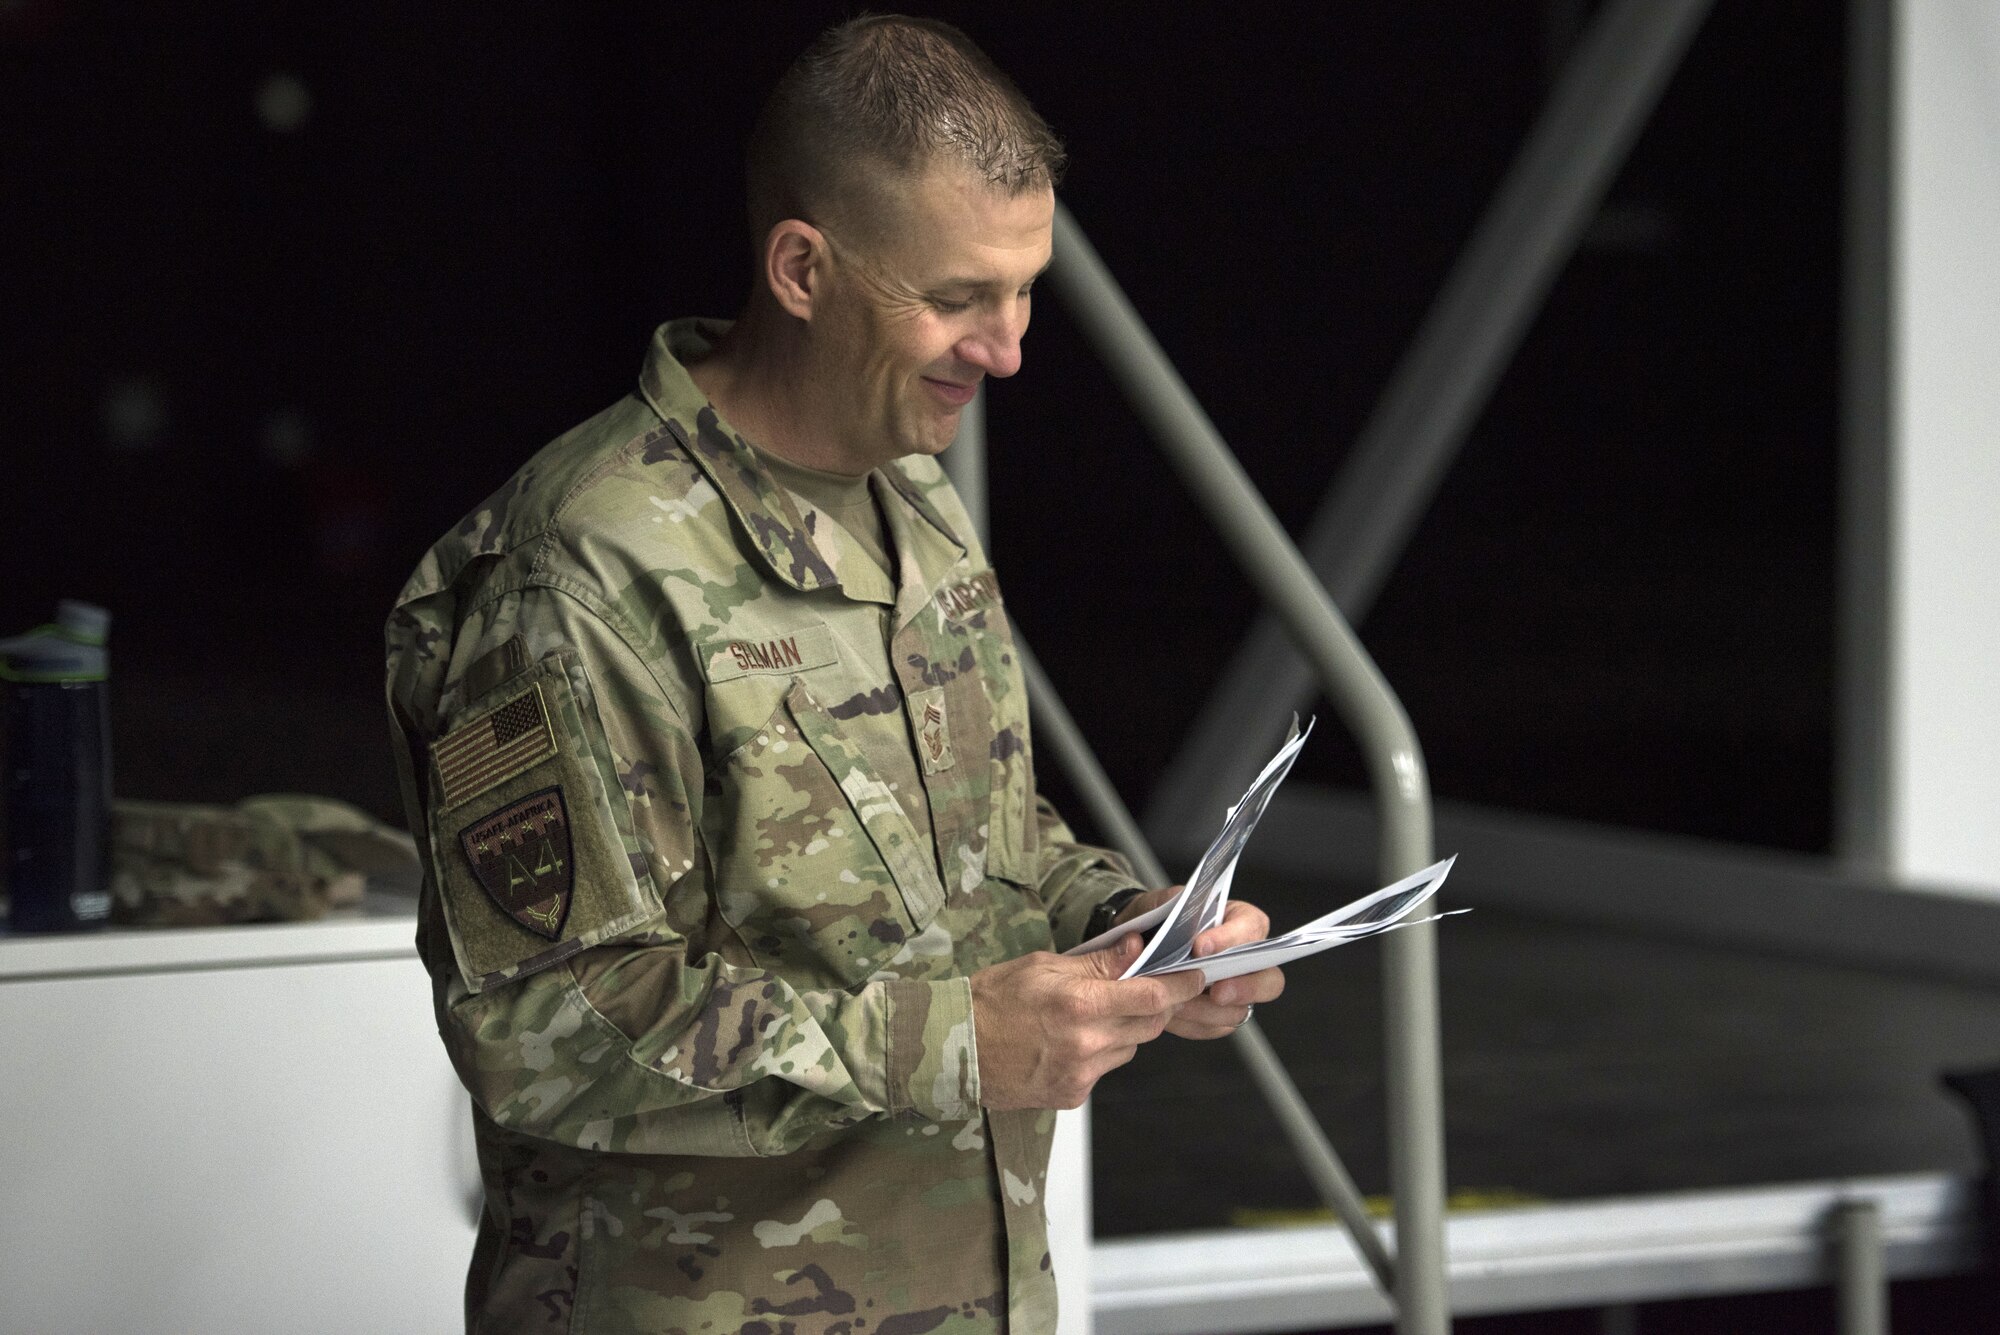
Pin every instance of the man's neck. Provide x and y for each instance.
(760, 378)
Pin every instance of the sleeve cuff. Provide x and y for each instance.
(1090, 888)
(933, 1057)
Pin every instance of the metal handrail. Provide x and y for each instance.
(1371, 711)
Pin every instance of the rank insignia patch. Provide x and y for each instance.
(933, 730)
(521, 857)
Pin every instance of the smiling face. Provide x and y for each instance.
(919, 308)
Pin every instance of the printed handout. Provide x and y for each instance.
(1203, 901)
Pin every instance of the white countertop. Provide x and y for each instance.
(383, 928)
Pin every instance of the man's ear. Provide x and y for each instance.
(795, 255)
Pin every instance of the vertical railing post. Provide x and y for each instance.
(965, 464)
(1863, 611)
(1861, 1289)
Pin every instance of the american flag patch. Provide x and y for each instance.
(493, 747)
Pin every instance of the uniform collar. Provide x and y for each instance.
(760, 504)
(928, 552)
(925, 552)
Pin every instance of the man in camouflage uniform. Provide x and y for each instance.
(740, 899)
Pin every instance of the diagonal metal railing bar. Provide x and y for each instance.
(1607, 90)
(1055, 726)
(1286, 584)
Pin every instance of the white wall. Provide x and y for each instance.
(1942, 780)
(198, 1146)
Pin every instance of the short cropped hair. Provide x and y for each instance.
(885, 94)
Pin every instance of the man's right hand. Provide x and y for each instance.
(1049, 1026)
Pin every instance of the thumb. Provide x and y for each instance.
(1115, 958)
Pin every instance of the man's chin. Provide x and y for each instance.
(935, 443)
(927, 434)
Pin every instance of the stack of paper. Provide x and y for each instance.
(1200, 905)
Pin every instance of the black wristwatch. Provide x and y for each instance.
(1107, 911)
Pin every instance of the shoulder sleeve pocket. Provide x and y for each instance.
(531, 836)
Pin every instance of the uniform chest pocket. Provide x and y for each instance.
(819, 867)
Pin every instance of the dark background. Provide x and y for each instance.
(254, 370)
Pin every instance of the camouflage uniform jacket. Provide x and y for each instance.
(702, 972)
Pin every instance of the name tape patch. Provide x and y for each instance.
(493, 747)
(771, 655)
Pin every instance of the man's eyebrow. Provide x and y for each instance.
(981, 284)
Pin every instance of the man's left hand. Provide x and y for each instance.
(1220, 1010)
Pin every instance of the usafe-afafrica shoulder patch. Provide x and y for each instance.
(493, 747)
(781, 653)
(961, 600)
(521, 858)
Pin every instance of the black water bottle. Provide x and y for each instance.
(57, 746)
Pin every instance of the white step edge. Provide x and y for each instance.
(1573, 1254)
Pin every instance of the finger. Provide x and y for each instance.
(1151, 996)
(1111, 1059)
(1112, 961)
(1130, 1031)
(1249, 989)
(1203, 1011)
(1241, 924)
(1187, 1029)
(1179, 988)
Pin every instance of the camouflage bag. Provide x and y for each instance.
(278, 858)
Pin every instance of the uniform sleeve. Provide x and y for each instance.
(1074, 878)
(664, 1037)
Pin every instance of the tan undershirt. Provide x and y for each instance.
(848, 500)
(851, 503)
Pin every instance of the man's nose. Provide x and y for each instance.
(996, 348)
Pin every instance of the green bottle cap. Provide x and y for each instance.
(68, 649)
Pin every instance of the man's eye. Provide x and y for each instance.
(950, 307)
